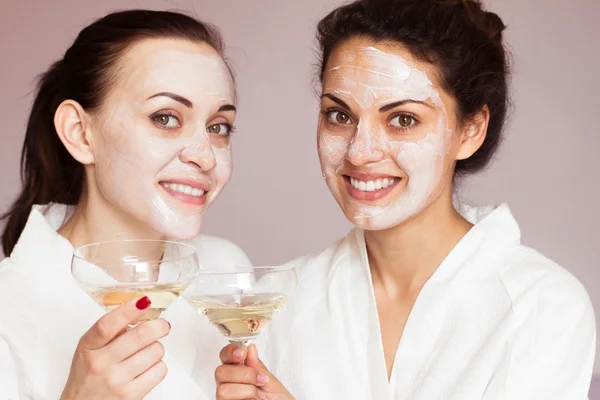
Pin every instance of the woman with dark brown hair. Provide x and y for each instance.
(128, 138)
(426, 299)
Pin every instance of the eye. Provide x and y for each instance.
(338, 117)
(403, 121)
(220, 129)
(166, 121)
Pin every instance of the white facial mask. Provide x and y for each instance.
(133, 155)
(368, 79)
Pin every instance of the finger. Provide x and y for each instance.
(143, 384)
(139, 362)
(111, 324)
(264, 375)
(136, 339)
(236, 391)
(253, 361)
(232, 354)
(239, 373)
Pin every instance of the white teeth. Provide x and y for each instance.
(390, 182)
(185, 189)
(371, 186)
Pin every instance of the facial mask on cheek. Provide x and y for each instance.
(137, 155)
(129, 180)
(379, 79)
(133, 163)
(332, 153)
(223, 169)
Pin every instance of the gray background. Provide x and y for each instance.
(277, 207)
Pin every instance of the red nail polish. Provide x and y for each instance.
(143, 303)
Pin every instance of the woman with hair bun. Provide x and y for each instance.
(426, 299)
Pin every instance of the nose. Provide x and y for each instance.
(366, 146)
(198, 151)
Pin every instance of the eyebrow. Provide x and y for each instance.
(395, 104)
(385, 108)
(227, 107)
(188, 103)
(175, 97)
(341, 102)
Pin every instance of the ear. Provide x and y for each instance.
(72, 125)
(473, 133)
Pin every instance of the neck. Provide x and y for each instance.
(405, 256)
(95, 220)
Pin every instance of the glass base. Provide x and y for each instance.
(242, 343)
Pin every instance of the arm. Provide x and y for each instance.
(556, 358)
(9, 383)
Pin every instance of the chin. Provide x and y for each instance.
(376, 217)
(370, 223)
(179, 229)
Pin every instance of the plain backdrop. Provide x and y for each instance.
(277, 206)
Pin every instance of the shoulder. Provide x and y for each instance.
(545, 291)
(526, 270)
(218, 252)
(553, 351)
(4, 264)
(10, 273)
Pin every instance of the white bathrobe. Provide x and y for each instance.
(43, 314)
(497, 320)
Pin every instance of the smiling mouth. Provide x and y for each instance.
(371, 186)
(185, 194)
(183, 189)
(370, 190)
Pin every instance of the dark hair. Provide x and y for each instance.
(458, 36)
(48, 172)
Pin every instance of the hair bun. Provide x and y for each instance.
(485, 21)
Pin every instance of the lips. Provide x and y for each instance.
(188, 192)
(370, 190)
(371, 185)
(184, 189)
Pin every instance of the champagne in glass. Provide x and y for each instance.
(115, 272)
(241, 302)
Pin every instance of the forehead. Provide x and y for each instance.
(379, 71)
(193, 70)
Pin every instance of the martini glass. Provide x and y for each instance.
(115, 272)
(241, 302)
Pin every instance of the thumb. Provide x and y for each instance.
(252, 360)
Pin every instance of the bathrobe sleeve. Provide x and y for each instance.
(554, 357)
(9, 387)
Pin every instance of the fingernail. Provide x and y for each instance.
(239, 352)
(169, 325)
(262, 378)
(143, 303)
